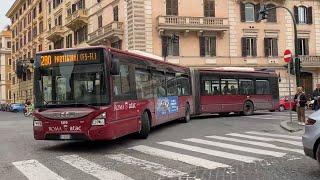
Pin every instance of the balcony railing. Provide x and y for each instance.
(106, 32)
(310, 61)
(77, 19)
(192, 23)
(55, 32)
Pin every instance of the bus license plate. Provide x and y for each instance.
(65, 136)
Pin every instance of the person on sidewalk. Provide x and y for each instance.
(300, 99)
(316, 96)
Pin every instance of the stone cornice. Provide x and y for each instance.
(13, 8)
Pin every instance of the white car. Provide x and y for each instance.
(311, 137)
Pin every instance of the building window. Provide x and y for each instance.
(249, 12)
(209, 8)
(272, 14)
(172, 7)
(9, 62)
(49, 7)
(40, 47)
(170, 46)
(116, 44)
(58, 21)
(41, 27)
(80, 35)
(13, 80)
(58, 44)
(9, 76)
(8, 44)
(207, 46)
(303, 15)
(303, 46)
(56, 3)
(34, 13)
(100, 21)
(116, 13)
(270, 47)
(249, 47)
(40, 7)
(69, 41)
(34, 31)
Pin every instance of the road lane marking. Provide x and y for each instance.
(179, 157)
(147, 165)
(34, 170)
(226, 155)
(256, 143)
(92, 168)
(235, 147)
(275, 135)
(296, 143)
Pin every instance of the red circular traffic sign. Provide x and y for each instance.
(287, 56)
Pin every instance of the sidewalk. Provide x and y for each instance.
(291, 127)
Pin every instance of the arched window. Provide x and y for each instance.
(272, 15)
(302, 14)
(249, 12)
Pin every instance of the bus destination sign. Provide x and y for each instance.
(54, 59)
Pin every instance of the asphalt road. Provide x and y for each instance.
(211, 147)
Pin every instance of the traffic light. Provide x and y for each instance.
(297, 65)
(291, 68)
(263, 13)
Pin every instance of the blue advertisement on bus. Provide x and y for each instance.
(167, 105)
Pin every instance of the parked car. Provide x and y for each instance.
(16, 107)
(311, 136)
(284, 103)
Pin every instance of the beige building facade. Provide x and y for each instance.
(195, 33)
(5, 67)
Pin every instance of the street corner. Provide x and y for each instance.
(291, 126)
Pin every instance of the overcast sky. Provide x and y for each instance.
(4, 7)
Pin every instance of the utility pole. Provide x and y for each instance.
(263, 14)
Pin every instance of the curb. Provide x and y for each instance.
(291, 127)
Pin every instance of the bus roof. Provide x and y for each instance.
(240, 70)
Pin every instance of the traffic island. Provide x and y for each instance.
(291, 126)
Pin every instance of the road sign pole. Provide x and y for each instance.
(290, 106)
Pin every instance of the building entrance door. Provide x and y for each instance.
(306, 82)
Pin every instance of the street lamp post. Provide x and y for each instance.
(296, 61)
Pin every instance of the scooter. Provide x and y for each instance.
(28, 110)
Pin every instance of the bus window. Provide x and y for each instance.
(211, 87)
(121, 82)
(172, 85)
(183, 87)
(229, 86)
(246, 86)
(143, 85)
(159, 84)
(262, 87)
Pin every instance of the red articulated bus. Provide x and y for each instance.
(231, 89)
(98, 93)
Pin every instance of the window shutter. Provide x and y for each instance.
(175, 7)
(176, 47)
(256, 10)
(164, 46)
(168, 7)
(307, 46)
(244, 47)
(214, 46)
(202, 46)
(275, 47)
(242, 12)
(266, 47)
(254, 47)
(272, 16)
(299, 52)
(309, 15)
(296, 14)
(212, 8)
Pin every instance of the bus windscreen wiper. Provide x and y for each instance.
(86, 105)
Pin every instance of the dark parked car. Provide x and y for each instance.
(16, 107)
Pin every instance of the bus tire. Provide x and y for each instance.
(248, 108)
(145, 126)
(187, 116)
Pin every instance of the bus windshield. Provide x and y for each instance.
(70, 82)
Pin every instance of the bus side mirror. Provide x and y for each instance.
(115, 66)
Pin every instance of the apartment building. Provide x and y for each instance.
(195, 33)
(5, 67)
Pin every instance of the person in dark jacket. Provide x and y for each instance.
(300, 99)
(316, 96)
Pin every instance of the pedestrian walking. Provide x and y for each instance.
(300, 99)
(316, 96)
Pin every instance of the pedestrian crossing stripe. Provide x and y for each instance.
(235, 147)
(275, 135)
(256, 143)
(226, 155)
(296, 143)
(34, 170)
(179, 157)
(147, 165)
(92, 168)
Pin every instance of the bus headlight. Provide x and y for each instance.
(99, 120)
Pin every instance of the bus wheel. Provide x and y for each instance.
(145, 126)
(187, 116)
(248, 108)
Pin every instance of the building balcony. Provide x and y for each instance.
(198, 24)
(55, 33)
(111, 32)
(77, 19)
(310, 61)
